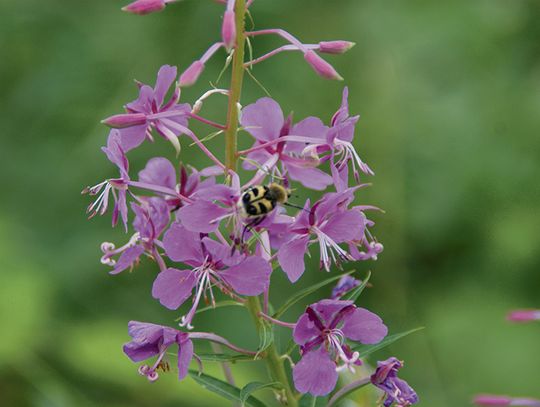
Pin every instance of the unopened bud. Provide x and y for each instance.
(320, 66)
(524, 315)
(143, 7)
(335, 47)
(121, 121)
(488, 400)
(228, 29)
(190, 75)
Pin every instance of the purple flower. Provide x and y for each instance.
(330, 223)
(337, 141)
(397, 390)
(151, 218)
(153, 340)
(344, 285)
(212, 264)
(117, 186)
(321, 332)
(265, 122)
(491, 400)
(160, 172)
(150, 111)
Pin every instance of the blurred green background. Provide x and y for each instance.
(449, 95)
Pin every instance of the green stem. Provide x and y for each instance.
(235, 91)
(271, 355)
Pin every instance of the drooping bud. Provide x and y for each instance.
(228, 29)
(143, 7)
(190, 75)
(322, 67)
(335, 47)
(120, 121)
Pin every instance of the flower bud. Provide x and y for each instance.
(190, 75)
(228, 29)
(121, 121)
(335, 47)
(320, 66)
(488, 400)
(143, 7)
(524, 315)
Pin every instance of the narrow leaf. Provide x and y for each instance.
(353, 294)
(266, 338)
(346, 390)
(223, 357)
(252, 387)
(306, 291)
(365, 350)
(223, 389)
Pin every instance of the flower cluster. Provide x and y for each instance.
(217, 232)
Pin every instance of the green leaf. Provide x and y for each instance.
(223, 357)
(353, 294)
(252, 387)
(346, 390)
(307, 400)
(223, 389)
(306, 291)
(365, 350)
(266, 338)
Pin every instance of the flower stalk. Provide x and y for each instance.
(271, 356)
(237, 77)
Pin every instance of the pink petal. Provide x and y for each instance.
(128, 259)
(311, 127)
(250, 277)
(315, 373)
(183, 245)
(185, 354)
(345, 226)
(165, 78)
(291, 257)
(172, 287)
(263, 119)
(364, 326)
(200, 216)
(159, 171)
(305, 330)
(312, 178)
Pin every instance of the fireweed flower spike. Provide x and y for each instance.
(321, 333)
(491, 400)
(213, 266)
(396, 390)
(194, 223)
